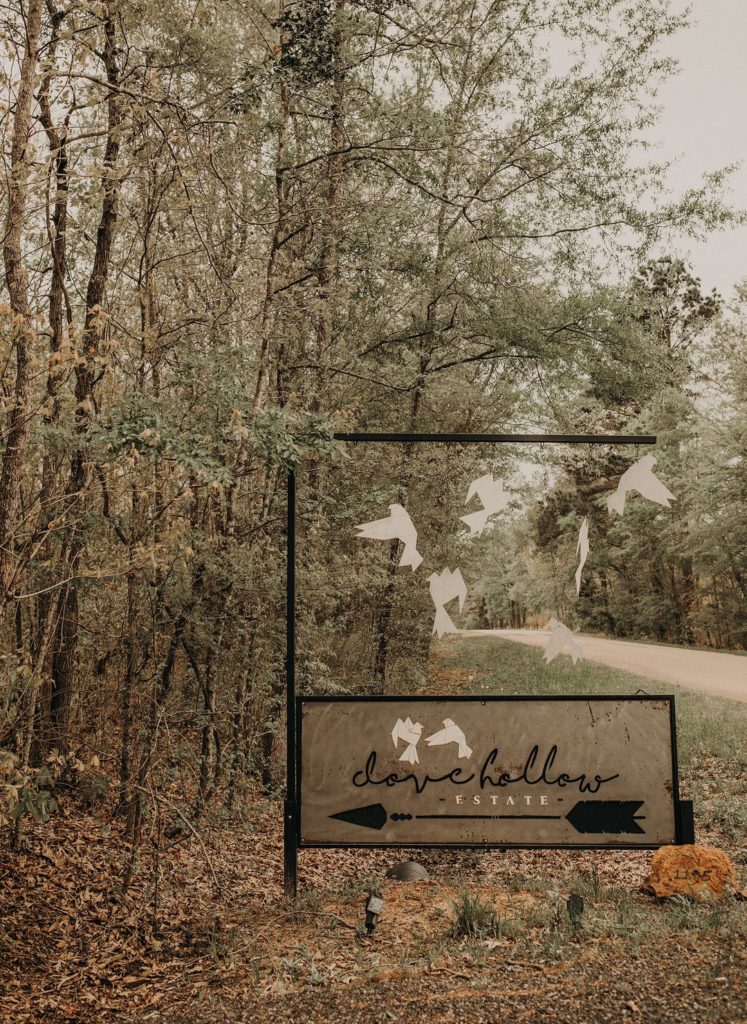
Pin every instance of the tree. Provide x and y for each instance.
(255, 224)
(21, 328)
(649, 573)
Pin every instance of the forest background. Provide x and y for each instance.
(232, 229)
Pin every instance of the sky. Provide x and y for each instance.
(704, 124)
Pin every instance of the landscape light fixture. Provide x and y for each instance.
(374, 906)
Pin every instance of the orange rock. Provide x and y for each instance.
(700, 872)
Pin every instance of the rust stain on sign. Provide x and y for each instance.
(597, 771)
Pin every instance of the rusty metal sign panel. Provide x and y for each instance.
(503, 771)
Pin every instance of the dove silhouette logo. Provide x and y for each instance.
(397, 526)
(494, 499)
(444, 587)
(410, 732)
(451, 733)
(561, 637)
(640, 477)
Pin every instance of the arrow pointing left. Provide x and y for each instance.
(370, 816)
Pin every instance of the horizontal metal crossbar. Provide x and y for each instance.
(503, 438)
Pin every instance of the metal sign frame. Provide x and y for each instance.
(291, 806)
(683, 827)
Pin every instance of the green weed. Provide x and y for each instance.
(479, 920)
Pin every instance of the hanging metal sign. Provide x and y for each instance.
(325, 779)
(493, 771)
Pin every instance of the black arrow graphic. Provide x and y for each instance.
(370, 816)
(600, 817)
(606, 817)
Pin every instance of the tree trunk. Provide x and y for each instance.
(16, 280)
(238, 725)
(278, 239)
(126, 695)
(85, 369)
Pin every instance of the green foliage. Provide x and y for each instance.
(94, 788)
(11, 784)
(306, 30)
(36, 799)
(478, 920)
(286, 437)
(654, 573)
(24, 792)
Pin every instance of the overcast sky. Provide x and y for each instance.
(704, 123)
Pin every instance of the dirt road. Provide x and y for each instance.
(722, 675)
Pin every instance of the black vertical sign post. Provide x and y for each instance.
(290, 833)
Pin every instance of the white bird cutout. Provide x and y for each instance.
(561, 637)
(493, 497)
(639, 477)
(444, 587)
(398, 524)
(582, 549)
(410, 732)
(451, 733)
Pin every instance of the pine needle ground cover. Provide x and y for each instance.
(194, 927)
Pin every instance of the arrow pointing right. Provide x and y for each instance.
(606, 817)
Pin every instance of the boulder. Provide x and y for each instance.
(700, 872)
